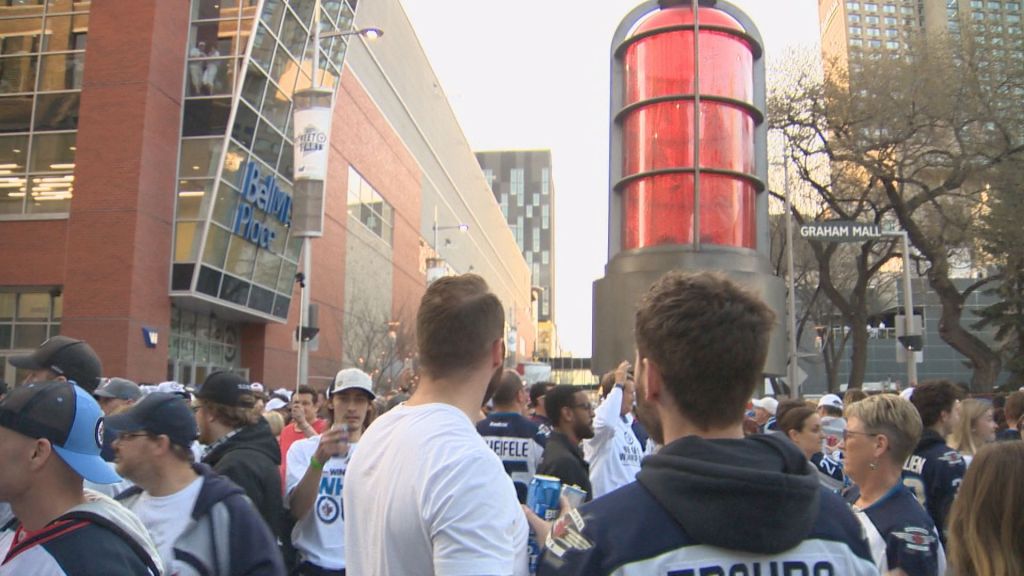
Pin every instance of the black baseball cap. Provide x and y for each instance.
(68, 417)
(227, 388)
(118, 388)
(539, 389)
(158, 413)
(67, 357)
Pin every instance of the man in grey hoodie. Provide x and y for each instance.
(50, 436)
(202, 523)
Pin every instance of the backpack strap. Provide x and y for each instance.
(112, 526)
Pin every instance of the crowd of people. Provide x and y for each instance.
(681, 470)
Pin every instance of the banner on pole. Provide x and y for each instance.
(311, 137)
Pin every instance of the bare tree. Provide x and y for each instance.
(911, 140)
(378, 342)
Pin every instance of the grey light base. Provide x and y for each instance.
(630, 274)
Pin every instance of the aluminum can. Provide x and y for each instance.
(574, 494)
(542, 499)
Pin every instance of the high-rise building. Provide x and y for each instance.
(855, 32)
(524, 189)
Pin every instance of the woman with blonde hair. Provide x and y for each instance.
(881, 433)
(986, 523)
(976, 428)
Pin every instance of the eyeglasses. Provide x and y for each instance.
(125, 436)
(848, 433)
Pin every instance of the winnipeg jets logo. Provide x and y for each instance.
(916, 538)
(99, 433)
(327, 509)
(952, 457)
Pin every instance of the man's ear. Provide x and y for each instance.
(654, 383)
(42, 450)
(498, 353)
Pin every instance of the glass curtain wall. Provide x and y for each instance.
(246, 58)
(42, 60)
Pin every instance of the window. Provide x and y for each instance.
(28, 318)
(874, 20)
(544, 303)
(545, 181)
(536, 238)
(545, 257)
(536, 199)
(892, 33)
(889, 8)
(994, 5)
(976, 4)
(853, 5)
(536, 272)
(874, 32)
(906, 10)
(1013, 17)
(855, 30)
(489, 177)
(519, 231)
(891, 21)
(366, 205)
(529, 211)
(854, 17)
(977, 15)
(545, 217)
(1013, 5)
(892, 44)
(517, 185)
(856, 42)
(875, 43)
(871, 7)
(504, 205)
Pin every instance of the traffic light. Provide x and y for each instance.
(914, 342)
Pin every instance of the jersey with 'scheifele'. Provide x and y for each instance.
(900, 533)
(701, 507)
(518, 443)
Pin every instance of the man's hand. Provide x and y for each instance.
(333, 442)
(298, 415)
(622, 372)
(541, 527)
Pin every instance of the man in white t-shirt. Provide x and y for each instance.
(615, 452)
(424, 494)
(316, 477)
(201, 522)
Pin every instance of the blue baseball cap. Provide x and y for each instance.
(68, 417)
(159, 413)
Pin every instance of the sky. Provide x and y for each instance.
(534, 74)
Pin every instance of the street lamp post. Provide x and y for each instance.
(460, 227)
(311, 130)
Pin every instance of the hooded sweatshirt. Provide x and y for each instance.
(97, 537)
(750, 506)
(251, 458)
(224, 536)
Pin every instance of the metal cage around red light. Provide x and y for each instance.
(656, 188)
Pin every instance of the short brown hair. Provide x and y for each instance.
(892, 416)
(1014, 408)
(934, 397)
(457, 323)
(794, 418)
(709, 340)
(508, 389)
(231, 416)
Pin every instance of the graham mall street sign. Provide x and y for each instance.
(841, 231)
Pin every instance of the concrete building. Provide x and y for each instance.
(854, 32)
(125, 213)
(522, 183)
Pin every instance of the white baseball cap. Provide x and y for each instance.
(352, 378)
(830, 400)
(767, 403)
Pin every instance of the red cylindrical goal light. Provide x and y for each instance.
(657, 119)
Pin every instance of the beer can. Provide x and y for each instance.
(574, 494)
(542, 499)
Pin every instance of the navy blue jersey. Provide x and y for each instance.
(901, 533)
(1008, 435)
(827, 466)
(934, 474)
(519, 444)
(698, 507)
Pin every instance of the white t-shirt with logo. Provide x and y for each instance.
(425, 495)
(614, 453)
(166, 518)
(319, 536)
